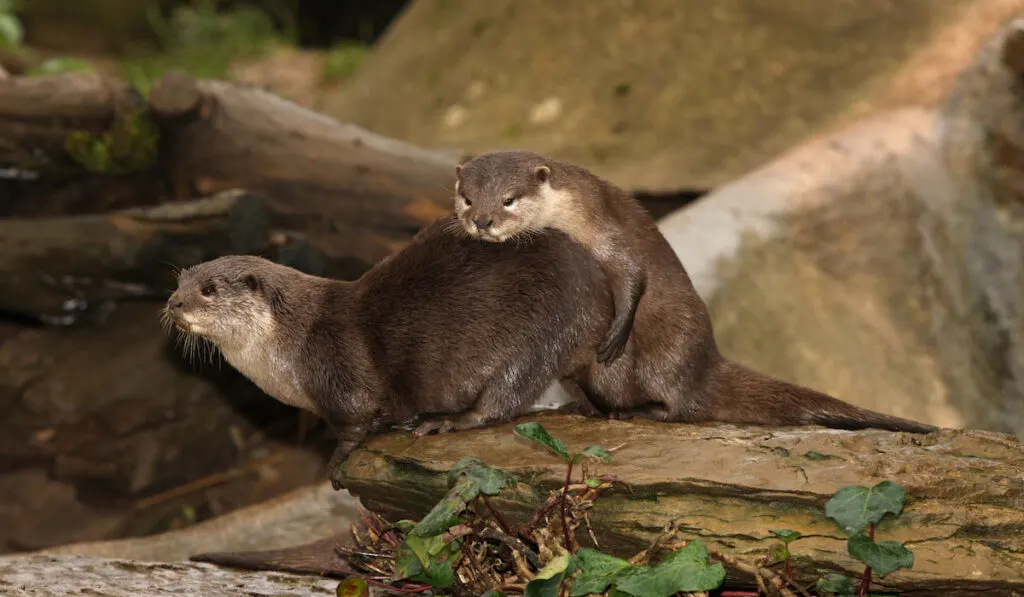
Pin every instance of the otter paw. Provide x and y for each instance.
(428, 427)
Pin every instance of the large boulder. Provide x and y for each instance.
(883, 264)
(658, 94)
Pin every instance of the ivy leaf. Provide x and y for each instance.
(592, 482)
(685, 570)
(549, 579)
(786, 535)
(778, 552)
(884, 557)
(10, 29)
(854, 508)
(536, 433)
(427, 560)
(461, 467)
(445, 514)
(353, 587)
(597, 452)
(837, 584)
(597, 571)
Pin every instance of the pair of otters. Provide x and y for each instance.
(577, 284)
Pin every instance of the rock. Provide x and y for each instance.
(56, 576)
(881, 264)
(728, 486)
(308, 513)
(673, 95)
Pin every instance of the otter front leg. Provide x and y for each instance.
(349, 437)
(628, 284)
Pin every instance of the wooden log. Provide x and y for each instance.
(729, 486)
(219, 135)
(59, 268)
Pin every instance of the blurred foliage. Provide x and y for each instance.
(343, 60)
(11, 32)
(131, 145)
(204, 41)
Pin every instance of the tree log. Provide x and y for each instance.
(56, 576)
(728, 486)
(58, 267)
(99, 423)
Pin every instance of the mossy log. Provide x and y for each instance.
(729, 486)
(61, 267)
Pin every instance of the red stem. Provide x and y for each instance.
(501, 520)
(565, 513)
(865, 581)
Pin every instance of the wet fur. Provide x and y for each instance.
(505, 196)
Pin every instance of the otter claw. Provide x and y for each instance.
(440, 426)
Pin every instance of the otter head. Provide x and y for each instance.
(500, 195)
(224, 300)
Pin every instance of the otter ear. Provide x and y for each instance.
(542, 173)
(458, 170)
(1013, 48)
(251, 282)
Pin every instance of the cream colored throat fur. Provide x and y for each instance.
(255, 354)
(564, 210)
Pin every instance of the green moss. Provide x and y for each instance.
(203, 41)
(342, 61)
(131, 145)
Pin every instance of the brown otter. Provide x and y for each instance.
(443, 326)
(507, 195)
(476, 330)
(671, 368)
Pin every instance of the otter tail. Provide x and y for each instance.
(742, 395)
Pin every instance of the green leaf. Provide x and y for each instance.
(884, 557)
(445, 514)
(854, 508)
(55, 66)
(460, 467)
(592, 482)
(786, 535)
(536, 433)
(597, 452)
(837, 584)
(352, 587)
(427, 560)
(778, 553)
(549, 579)
(685, 570)
(489, 479)
(597, 571)
(10, 29)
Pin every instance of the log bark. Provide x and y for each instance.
(56, 576)
(61, 267)
(729, 486)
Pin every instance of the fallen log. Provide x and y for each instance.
(61, 267)
(729, 486)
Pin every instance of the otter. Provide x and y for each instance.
(440, 327)
(503, 196)
(470, 334)
(667, 365)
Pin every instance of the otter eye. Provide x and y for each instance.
(466, 200)
(209, 290)
(509, 201)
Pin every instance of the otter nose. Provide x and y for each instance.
(173, 303)
(483, 223)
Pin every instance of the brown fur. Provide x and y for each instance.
(670, 368)
(505, 196)
(444, 326)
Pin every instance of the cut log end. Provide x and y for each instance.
(175, 94)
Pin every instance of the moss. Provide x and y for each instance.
(342, 61)
(131, 145)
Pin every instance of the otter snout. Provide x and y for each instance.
(176, 309)
(482, 224)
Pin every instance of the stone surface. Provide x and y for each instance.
(57, 576)
(674, 95)
(729, 486)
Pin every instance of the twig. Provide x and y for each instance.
(514, 544)
(497, 516)
(644, 557)
(774, 579)
(205, 482)
(565, 513)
